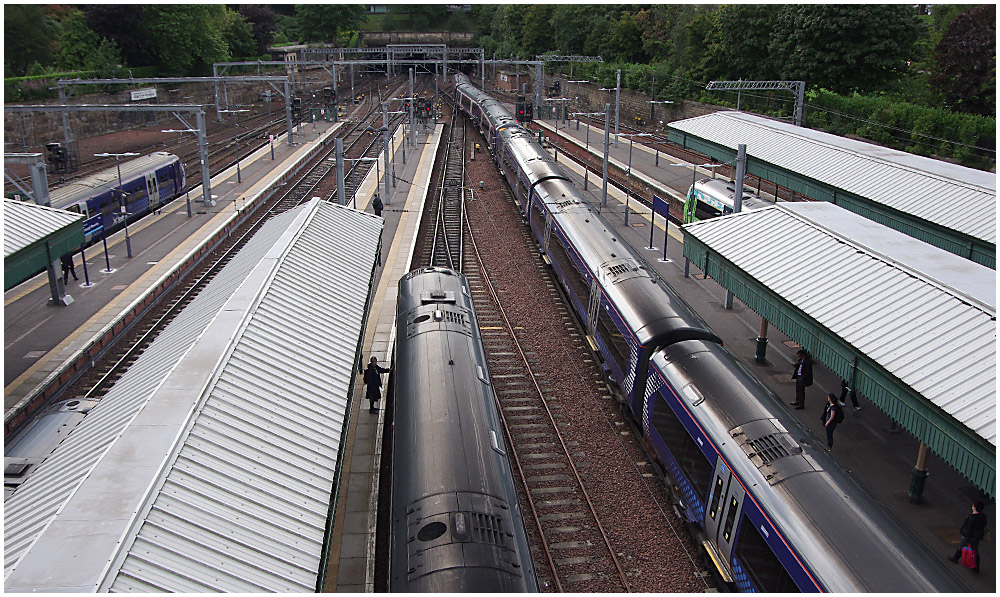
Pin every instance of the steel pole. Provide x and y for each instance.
(607, 121)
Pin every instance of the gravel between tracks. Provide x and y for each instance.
(653, 545)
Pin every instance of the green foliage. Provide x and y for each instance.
(326, 23)
(967, 139)
(28, 34)
(843, 47)
(188, 38)
(238, 35)
(41, 87)
(80, 47)
(966, 58)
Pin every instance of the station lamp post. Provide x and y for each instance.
(659, 126)
(586, 169)
(128, 241)
(578, 81)
(236, 141)
(563, 100)
(187, 193)
(628, 172)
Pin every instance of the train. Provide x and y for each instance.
(713, 197)
(455, 521)
(147, 183)
(771, 508)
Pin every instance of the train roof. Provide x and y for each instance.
(531, 159)
(724, 192)
(803, 490)
(636, 289)
(89, 186)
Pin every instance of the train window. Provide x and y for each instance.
(613, 339)
(717, 492)
(704, 211)
(684, 450)
(760, 563)
(74, 208)
(734, 507)
(558, 254)
(537, 219)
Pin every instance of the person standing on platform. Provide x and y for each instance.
(973, 530)
(67, 267)
(803, 376)
(377, 205)
(843, 395)
(831, 417)
(373, 379)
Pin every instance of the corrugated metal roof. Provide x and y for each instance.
(27, 223)
(245, 430)
(923, 187)
(881, 294)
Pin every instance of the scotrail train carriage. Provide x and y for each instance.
(714, 197)
(773, 510)
(147, 182)
(456, 524)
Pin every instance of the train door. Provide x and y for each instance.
(593, 309)
(725, 504)
(152, 189)
(547, 234)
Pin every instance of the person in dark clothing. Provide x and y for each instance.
(67, 267)
(973, 530)
(377, 205)
(803, 376)
(843, 395)
(373, 379)
(830, 417)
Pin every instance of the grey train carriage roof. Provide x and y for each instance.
(915, 323)
(211, 465)
(949, 196)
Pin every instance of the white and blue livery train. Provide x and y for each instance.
(773, 511)
(147, 183)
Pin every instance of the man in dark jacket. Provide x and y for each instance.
(803, 376)
(373, 379)
(973, 530)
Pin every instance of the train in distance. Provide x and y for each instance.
(147, 183)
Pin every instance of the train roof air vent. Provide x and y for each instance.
(772, 450)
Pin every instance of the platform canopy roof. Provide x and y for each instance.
(944, 204)
(212, 466)
(34, 236)
(910, 326)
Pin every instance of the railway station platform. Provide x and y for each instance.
(867, 444)
(40, 339)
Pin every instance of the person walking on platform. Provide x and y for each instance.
(377, 205)
(803, 376)
(67, 267)
(831, 417)
(373, 379)
(973, 530)
(843, 396)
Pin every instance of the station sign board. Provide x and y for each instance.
(93, 227)
(143, 94)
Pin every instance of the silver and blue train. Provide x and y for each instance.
(771, 508)
(456, 526)
(147, 183)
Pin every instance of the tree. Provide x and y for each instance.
(740, 40)
(188, 37)
(626, 40)
(238, 35)
(844, 47)
(28, 34)
(125, 24)
(327, 22)
(536, 32)
(966, 60)
(262, 20)
(81, 48)
(570, 24)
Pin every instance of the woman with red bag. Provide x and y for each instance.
(973, 530)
